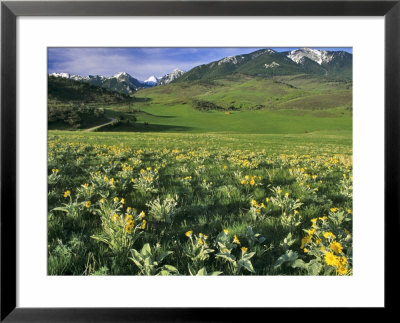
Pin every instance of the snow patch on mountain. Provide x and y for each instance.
(168, 78)
(318, 56)
(231, 59)
(273, 64)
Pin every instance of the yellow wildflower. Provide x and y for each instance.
(341, 270)
(87, 204)
(328, 235)
(235, 239)
(142, 215)
(123, 201)
(115, 218)
(305, 250)
(305, 240)
(334, 209)
(188, 233)
(226, 231)
(129, 218)
(67, 193)
(144, 224)
(331, 259)
(336, 247)
(129, 226)
(244, 249)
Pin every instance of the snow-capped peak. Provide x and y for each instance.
(318, 56)
(168, 78)
(151, 79)
(121, 74)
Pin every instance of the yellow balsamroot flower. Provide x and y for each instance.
(205, 237)
(142, 215)
(129, 218)
(200, 241)
(87, 204)
(341, 270)
(123, 201)
(318, 241)
(305, 240)
(328, 235)
(296, 212)
(286, 194)
(112, 181)
(226, 231)
(244, 249)
(331, 259)
(334, 209)
(116, 199)
(86, 185)
(189, 233)
(101, 201)
(253, 202)
(267, 199)
(115, 218)
(144, 224)
(279, 191)
(311, 232)
(105, 178)
(336, 247)
(343, 260)
(67, 193)
(252, 182)
(128, 227)
(235, 239)
(128, 209)
(305, 250)
(132, 180)
(349, 211)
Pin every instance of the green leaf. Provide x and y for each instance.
(314, 268)
(146, 250)
(299, 263)
(202, 272)
(191, 270)
(225, 256)
(246, 264)
(286, 257)
(215, 273)
(163, 255)
(171, 268)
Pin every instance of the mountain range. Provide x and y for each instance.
(268, 63)
(122, 82)
(336, 65)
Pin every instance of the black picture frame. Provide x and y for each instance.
(10, 10)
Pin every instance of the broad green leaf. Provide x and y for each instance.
(286, 257)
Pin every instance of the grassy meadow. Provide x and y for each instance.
(244, 176)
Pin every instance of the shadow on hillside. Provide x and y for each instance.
(141, 127)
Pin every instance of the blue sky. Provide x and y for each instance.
(140, 62)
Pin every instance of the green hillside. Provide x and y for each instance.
(78, 105)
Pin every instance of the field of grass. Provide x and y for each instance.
(201, 203)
